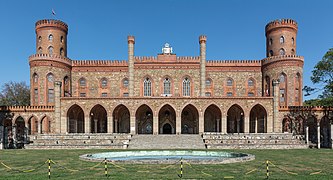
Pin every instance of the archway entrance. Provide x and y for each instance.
(235, 119)
(190, 120)
(75, 119)
(212, 119)
(167, 129)
(21, 132)
(325, 132)
(98, 119)
(258, 119)
(144, 120)
(167, 115)
(121, 119)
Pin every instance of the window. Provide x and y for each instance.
(62, 39)
(208, 94)
(282, 78)
(229, 82)
(82, 82)
(270, 41)
(293, 52)
(282, 95)
(104, 83)
(50, 37)
(281, 40)
(51, 95)
(50, 50)
(125, 94)
(61, 51)
(35, 77)
(50, 77)
(271, 53)
(40, 50)
(104, 95)
(40, 39)
(282, 52)
(250, 82)
(229, 94)
(167, 86)
(208, 82)
(250, 94)
(186, 87)
(125, 83)
(147, 87)
(292, 41)
(82, 94)
(36, 96)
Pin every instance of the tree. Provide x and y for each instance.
(323, 75)
(15, 94)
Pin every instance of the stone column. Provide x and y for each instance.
(14, 134)
(256, 125)
(57, 106)
(39, 127)
(87, 124)
(132, 124)
(224, 124)
(318, 135)
(270, 125)
(178, 125)
(110, 124)
(131, 42)
(116, 130)
(64, 125)
(155, 124)
(95, 125)
(202, 42)
(218, 126)
(246, 123)
(201, 123)
(307, 134)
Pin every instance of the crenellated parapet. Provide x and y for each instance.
(48, 57)
(275, 59)
(51, 23)
(99, 63)
(166, 58)
(26, 108)
(233, 63)
(281, 23)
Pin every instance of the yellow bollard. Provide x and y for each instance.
(181, 168)
(267, 171)
(49, 168)
(105, 167)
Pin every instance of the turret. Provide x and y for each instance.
(51, 37)
(202, 42)
(281, 37)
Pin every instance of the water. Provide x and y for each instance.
(169, 156)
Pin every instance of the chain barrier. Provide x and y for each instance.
(24, 171)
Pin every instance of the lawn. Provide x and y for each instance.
(285, 164)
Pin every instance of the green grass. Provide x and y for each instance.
(288, 162)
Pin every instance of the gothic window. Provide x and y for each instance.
(36, 96)
(281, 40)
(208, 82)
(51, 95)
(229, 82)
(186, 87)
(40, 39)
(282, 78)
(125, 83)
(292, 41)
(282, 95)
(250, 82)
(40, 50)
(35, 78)
(50, 77)
(50, 37)
(282, 52)
(66, 87)
(62, 39)
(104, 83)
(283, 89)
(61, 51)
(50, 50)
(271, 53)
(82, 82)
(270, 41)
(167, 86)
(147, 87)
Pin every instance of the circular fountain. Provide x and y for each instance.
(169, 156)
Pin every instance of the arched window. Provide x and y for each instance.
(66, 87)
(50, 37)
(271, 53)
(292, 41)
(298, 89)
(293, 52)
(61, 51)
(208, 82)
(40, 50)
(104, 83)
(62, 39)
(125, 83)
(166, 86)
(186, 87)
(147, 87)
(50, 77)
(50, 88)
(283, 89)
(282, 78)
(282, 52)
(50, 50)
(82, 82)
(270, 41)
(35, 86)
(40, 39)
(35, 78)
(250, 82)
(229, 82)
(281, 40)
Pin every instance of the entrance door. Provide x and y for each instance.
(167, 129)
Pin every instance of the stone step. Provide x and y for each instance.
(166, 142)
(257, 146)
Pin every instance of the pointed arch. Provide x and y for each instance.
(325, 132)
(258, 119)
(50, 88)
(186, 86)
(298, 89)
(283, 89)
(167, 120)
(121, 119)
(144, 120)
(45, 124)
(98, 119)
(75, 119)
(235, 119)
(32, 125)
(190, 120)
(212, 119)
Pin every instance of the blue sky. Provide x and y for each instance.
(98, 29)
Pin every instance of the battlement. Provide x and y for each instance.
(202, 38)
(53, 57)
(279, 23)
(99, 63)
(233, 63)
(26, 108)
(52, 23)
(131, 39)
(272, 59)
(166, 58)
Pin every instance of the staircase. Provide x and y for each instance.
(166, 142)
(79, 141)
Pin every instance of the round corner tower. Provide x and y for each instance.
(282, 63)
(50, 63)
